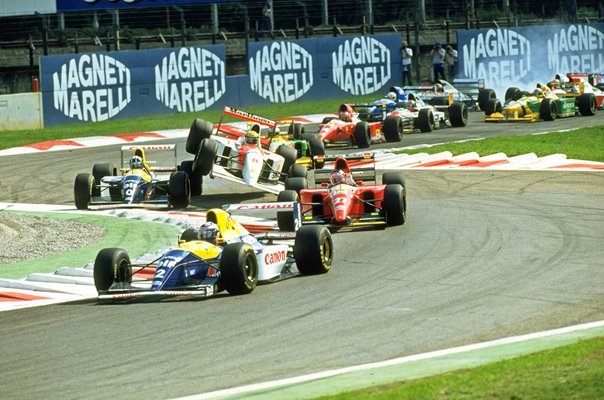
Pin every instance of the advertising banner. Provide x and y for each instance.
(521, 57)
(101, 86)
(27, 7)
(86, 5)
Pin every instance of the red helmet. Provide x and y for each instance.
(337, 176)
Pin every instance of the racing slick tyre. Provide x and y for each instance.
(82, 190)
(99, 171)
(289, 155)
(512, 93)
(425, 120)
(458, 114)
(296, 130)
(390, 178)
(179, 191)
(195, 178)
(297, 171)
(189, 235)
(296, 184)
(313, 250)
(492, 106)
(111, 265)
(395, 204)
(205, 156)
(285, 219)
(317, 148)
(238, 269)
(362, 134)
(587, 104)
(547, 110)
(483, 96)
(199, 130)
(393, 128)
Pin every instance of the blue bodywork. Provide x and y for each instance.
(179, 268)
(380, 109)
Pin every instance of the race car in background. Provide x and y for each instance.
(541, 104)
(220, 255)
(346, 197)
(138, 181)
(238, 154)
(445, 109)
(575, 85)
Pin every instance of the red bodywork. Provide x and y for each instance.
(337, 130)
(593, 80)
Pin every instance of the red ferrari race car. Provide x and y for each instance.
(348, 129)
(342, 197)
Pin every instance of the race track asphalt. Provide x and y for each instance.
(483, 255)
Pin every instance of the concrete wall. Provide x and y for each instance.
(21, 111)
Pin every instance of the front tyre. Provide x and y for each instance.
(238, 269)
(82, 190)
(179, 190)
(393, 128)
(362, 134)
(111, 266)
(285, 219)
(458, 114)
(425, 120)
(395, 204)
(195, 178)
(313, 250)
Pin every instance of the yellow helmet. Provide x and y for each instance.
(252, 137)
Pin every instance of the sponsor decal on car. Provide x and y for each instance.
(274, 258)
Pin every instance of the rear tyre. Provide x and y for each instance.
(189, 235)
(238, 269)
(425, 120)
(289, 155)
(313, 250)
(199, 130)
(389, 178)
(205, 156)
(362, 134)
(111, 266)
(195, 178)
(297, 171)
(395, 204)
(285, 219)
(587, 104)
(547, 110)
(99, 171)
(179, 190)
(458, 114)
(82, 190)
(296, 184)
(296, 129)
(317, 148)
(512, 94)
(393, 128)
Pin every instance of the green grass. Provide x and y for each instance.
(570, 372)
(581, 144)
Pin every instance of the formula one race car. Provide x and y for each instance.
(242, 155)
(541, 104)
(138, 182)
(343, 199)
(576, 85)
(348, 129)
(219, 255)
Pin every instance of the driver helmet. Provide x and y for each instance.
(391, 96)
(438, 88)
(208, 232)
(554, 84)
(136, 162)
(344, 115)
(337, 176)
(252, 137)
(537, 92)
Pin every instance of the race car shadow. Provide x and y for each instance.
(205, 202)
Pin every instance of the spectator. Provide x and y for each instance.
(438, 60)
(265, 19)
(407, 56)
(451, 61)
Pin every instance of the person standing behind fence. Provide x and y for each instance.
(265, 19)
(407, 57)
(438, 60)
(451, 61)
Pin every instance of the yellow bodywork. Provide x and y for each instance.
(144, 172)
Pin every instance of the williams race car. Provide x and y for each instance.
(138, 182)
(343, 199)
(220, 255)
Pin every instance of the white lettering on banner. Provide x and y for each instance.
(498, 56)
(585, 41)
(190, 79)
(361, 65)
(281, 72)
(93, 87)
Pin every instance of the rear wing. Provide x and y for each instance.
(362, 167)
(274, 205)
(157, 157)
(469, 87)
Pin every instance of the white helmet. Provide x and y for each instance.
(391, 96)
(136, 162)
(208, 232)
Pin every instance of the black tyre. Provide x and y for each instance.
(313, 250)
(289, 155)
(547, 110)
(362, 134)
(111, 266)
(492, 106)
(195, 178)
(199, 130)
(238, 269)
(393, 128)
(82, 190)
(101, 170)
(512, 93)
(395, 204)
(587, 104)
(425, 120)
(179, 190)
(317, 148)
(458, 114)
(297, 171)
(484, 95)
(439, 101)
(296, 129)
(389, 178)
(285, 219)
(189, 234)
(205, 157)
(296, 184)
